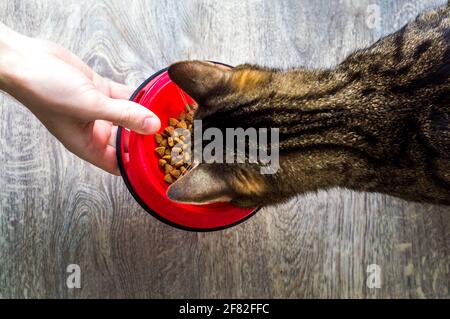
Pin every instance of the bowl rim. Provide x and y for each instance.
(135, 195)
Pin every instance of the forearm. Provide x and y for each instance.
(13, 46)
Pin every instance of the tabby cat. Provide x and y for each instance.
(377, 122)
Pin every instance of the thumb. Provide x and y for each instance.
(130, 115)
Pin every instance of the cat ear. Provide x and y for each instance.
(202, 185)
(200, 79)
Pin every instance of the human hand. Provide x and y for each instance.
(79, 107)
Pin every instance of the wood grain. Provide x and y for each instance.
(56, 210)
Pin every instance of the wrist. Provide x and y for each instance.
(12, 48)
(6, 68)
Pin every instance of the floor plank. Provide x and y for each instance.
(56, 210)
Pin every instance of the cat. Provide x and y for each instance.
(377, 122)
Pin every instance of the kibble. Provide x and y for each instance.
(182, 124)
(169, 141)
(158, 138)
(179, 164)
(160, 150)
(168, 168)
(175, 173)
(162, 162)
(168, 131)
(173, 122)
(168, 178)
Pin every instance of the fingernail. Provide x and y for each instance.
(151, 125)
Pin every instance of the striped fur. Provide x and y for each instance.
(378, 122)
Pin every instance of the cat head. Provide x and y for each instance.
(219, 90)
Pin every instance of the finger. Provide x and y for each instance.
(113, 138)
(112, 89)
(106, 160)
(130, 115)
(120, 91)
(89, 142)
(101, 151)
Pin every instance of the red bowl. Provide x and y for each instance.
(138, 165)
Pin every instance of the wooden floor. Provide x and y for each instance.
(56, 210)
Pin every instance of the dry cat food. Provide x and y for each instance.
(174, 145)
